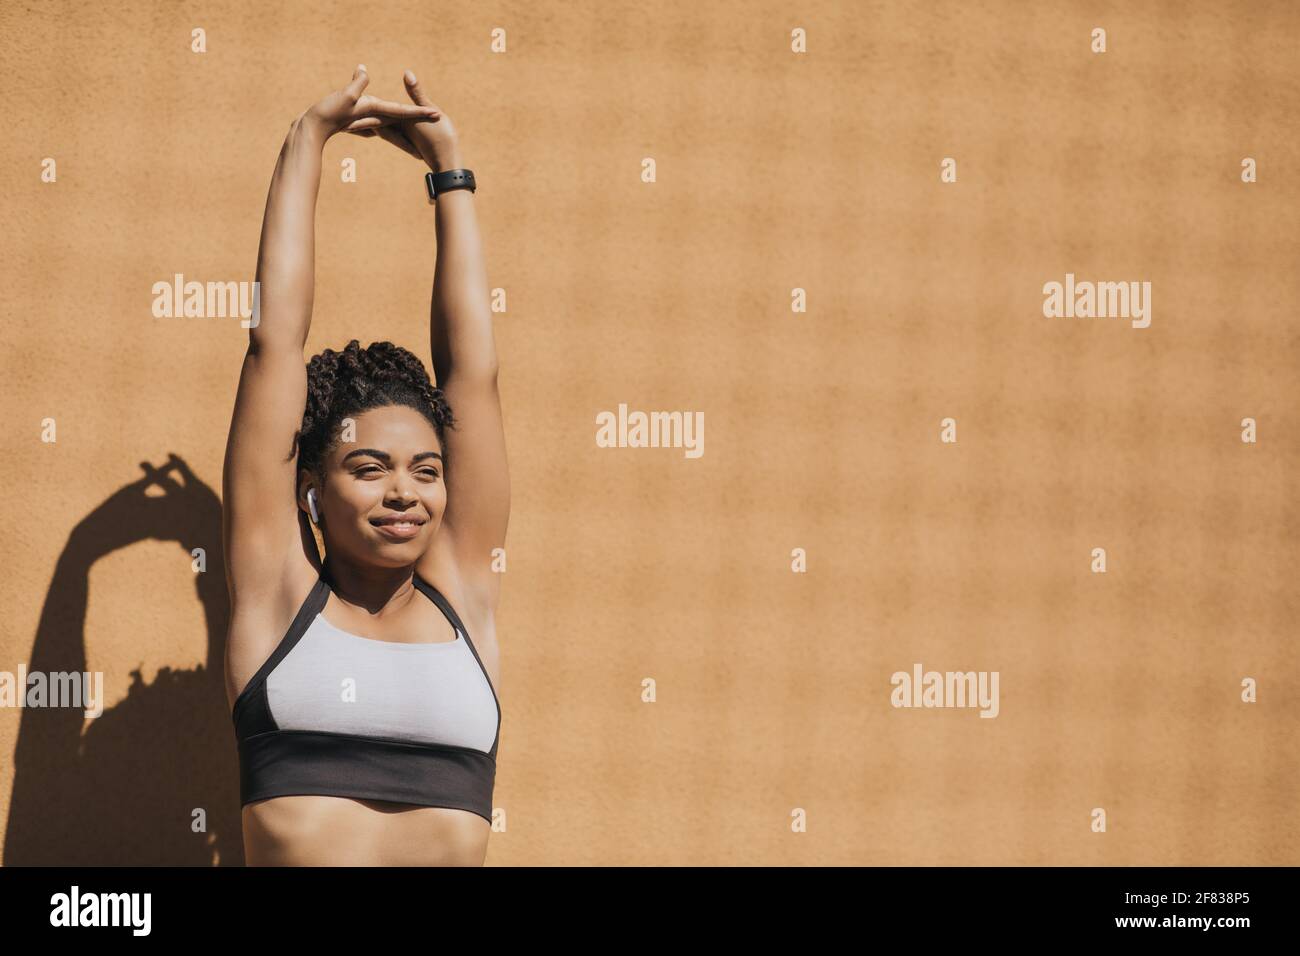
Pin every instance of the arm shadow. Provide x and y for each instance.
(126, 788)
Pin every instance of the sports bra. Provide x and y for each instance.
(335, 714)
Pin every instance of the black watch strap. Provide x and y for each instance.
(447, 180)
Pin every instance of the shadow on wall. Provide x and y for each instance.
(125, 791)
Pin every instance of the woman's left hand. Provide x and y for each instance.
(435, 141)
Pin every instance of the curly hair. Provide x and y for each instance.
(343, 384)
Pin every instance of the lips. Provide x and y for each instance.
(398, 527)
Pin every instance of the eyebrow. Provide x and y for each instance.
(387, 458)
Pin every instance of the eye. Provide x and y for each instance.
(372, 469)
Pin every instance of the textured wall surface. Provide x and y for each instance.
(772, 736)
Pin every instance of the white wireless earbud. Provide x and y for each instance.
(311, 503)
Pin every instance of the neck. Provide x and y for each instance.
(370, 587)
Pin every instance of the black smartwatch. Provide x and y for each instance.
(447, 180)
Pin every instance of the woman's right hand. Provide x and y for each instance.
(351, 109)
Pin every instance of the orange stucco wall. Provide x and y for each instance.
(771, 737)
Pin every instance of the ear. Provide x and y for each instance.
(308, 496)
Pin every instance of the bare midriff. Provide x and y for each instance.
(342, 831)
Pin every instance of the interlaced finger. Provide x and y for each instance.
(368, 122)
(373, 106)
(398, 138)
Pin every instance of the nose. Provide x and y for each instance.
(401, 497)
(402, 490)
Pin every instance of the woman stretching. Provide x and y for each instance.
(363, 687)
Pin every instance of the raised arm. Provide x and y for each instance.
(260, 517)
(465, 365)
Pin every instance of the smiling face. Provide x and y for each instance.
(384, 492)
